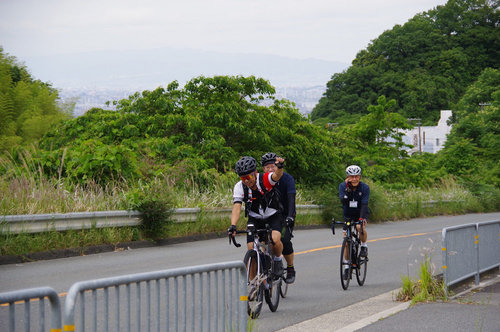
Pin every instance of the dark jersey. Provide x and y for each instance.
(355, 202)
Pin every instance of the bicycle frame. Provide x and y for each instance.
(350, 260)
(260, 247)
(261, 280)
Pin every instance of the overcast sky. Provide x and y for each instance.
(322, 29)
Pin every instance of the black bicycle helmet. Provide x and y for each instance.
(267, 158)
(245, 165)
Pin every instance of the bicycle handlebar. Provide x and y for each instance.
(256, 231)
(352, 222)
(232, 238)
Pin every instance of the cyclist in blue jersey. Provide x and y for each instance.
(286, 186)
(354, 196)
(262, 203)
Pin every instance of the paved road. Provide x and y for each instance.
(395, 249)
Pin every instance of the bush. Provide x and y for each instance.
(154, 201)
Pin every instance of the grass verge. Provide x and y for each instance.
(424, 289)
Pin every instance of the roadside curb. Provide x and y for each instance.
(374, 318)
(376, 307)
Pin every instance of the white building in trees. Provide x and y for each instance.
(428, 138)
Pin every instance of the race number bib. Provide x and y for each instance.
(353, 204)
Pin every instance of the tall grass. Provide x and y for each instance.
(446, 197)
(425, 288)
(27, 190)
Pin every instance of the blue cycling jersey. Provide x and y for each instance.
(355, 201)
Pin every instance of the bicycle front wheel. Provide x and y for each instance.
(361, 270)
(273, 290)
(347, 266)
(254, 283)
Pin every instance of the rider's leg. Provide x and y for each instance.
(363, 237)
(278, 245)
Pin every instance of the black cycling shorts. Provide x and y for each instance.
(274, 221)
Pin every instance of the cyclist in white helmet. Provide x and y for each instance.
(354, 196)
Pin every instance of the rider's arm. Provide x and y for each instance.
(364, 211)
(238, 197)
(276, 176)
(235, 214)
(342, 193)
(291, 206)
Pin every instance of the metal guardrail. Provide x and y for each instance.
(205, 297)
(35, 223)
(208, 297)
(27, 295)
(469, 250)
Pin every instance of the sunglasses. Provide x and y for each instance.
(248, 177)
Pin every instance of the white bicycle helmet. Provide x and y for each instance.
(353, 170)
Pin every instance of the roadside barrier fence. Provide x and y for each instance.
(26, 296)
(469, 250)
(34, 223)
(199, 298)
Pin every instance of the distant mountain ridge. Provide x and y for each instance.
(147, 69)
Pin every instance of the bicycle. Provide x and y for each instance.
(261, 281)
(351, 244)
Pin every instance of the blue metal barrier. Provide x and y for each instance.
(469, 250)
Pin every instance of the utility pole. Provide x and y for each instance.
(418, 122)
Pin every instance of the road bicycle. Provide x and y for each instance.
(351, 246)
(262, 282)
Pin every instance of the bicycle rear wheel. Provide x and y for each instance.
(283, 288)
(254, 284)
(346, 246)
(273, 292)
(361, 270)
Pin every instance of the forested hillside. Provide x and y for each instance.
(425, 65)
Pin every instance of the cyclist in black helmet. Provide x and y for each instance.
(286, 186)
(354, 196)
(261, 203)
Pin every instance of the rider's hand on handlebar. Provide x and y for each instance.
(362, 220)
(231, 231)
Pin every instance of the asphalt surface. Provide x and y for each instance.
(474, 308)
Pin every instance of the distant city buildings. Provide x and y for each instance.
(305, 98)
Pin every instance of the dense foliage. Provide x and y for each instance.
(472, 150)
(199, 130)
(425, 64)
(28, 107)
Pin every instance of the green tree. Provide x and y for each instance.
(28, 107)
(206, 125)
(425, 64)
(473, 146)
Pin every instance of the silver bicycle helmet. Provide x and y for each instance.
(353, 170)
(245, 165)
